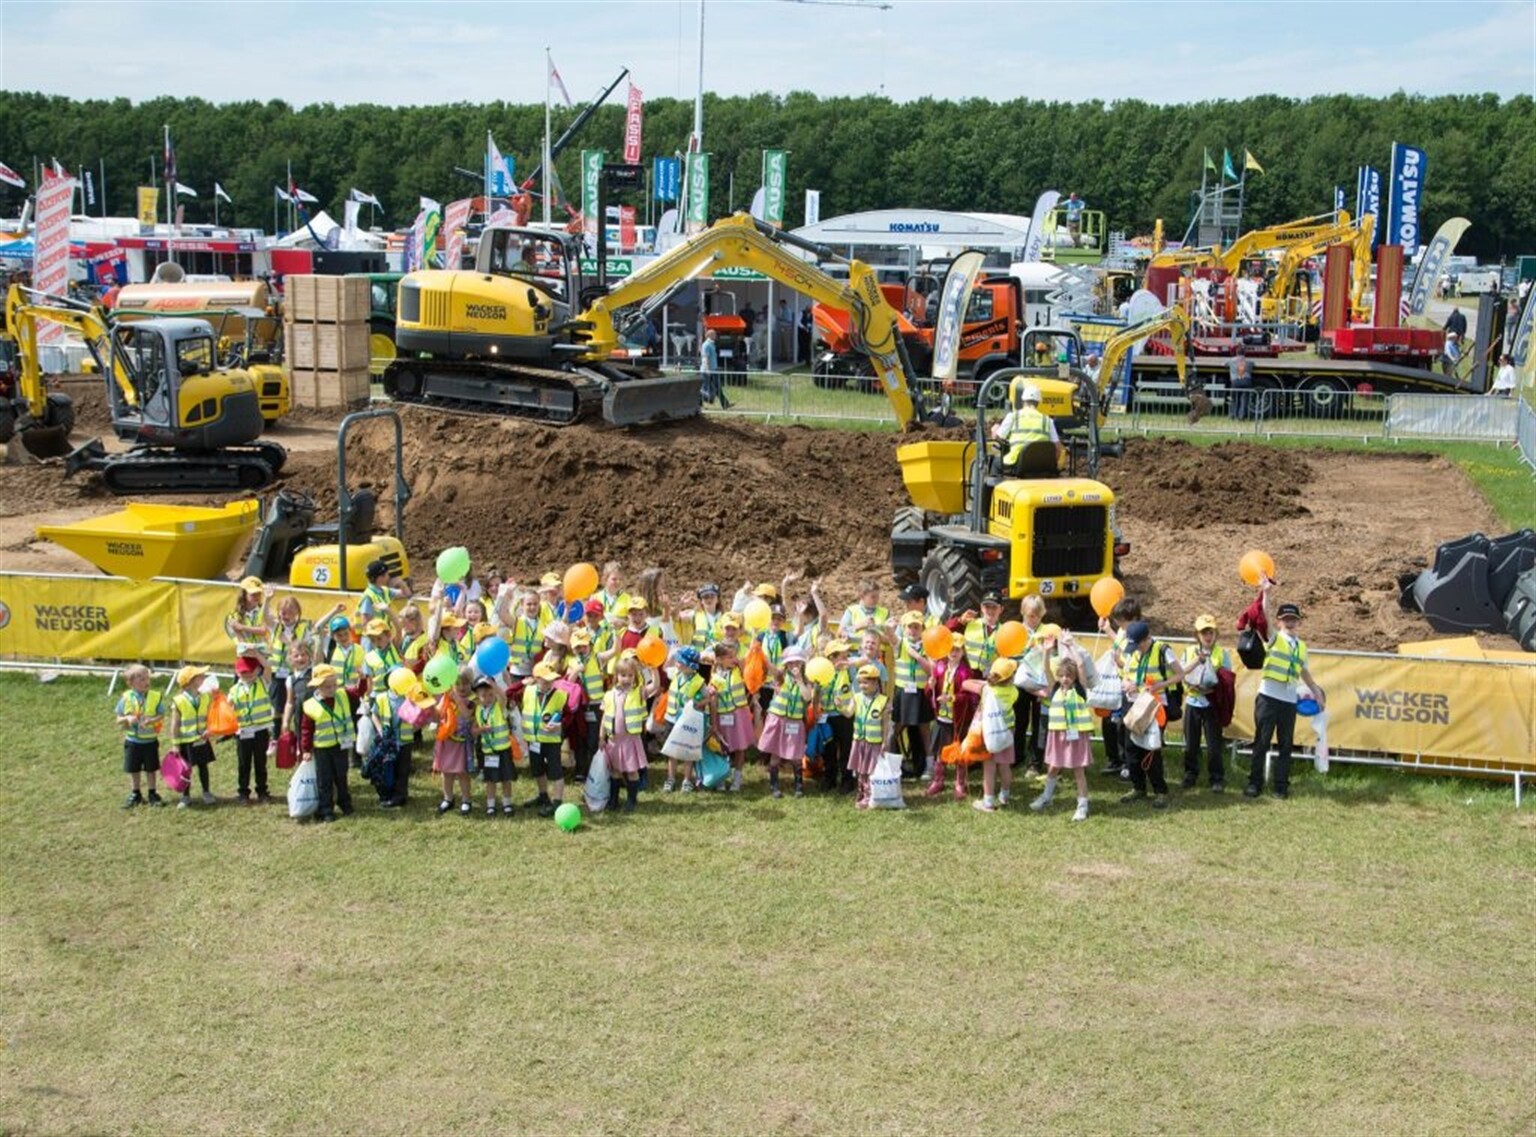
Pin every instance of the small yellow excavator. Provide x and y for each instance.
(525, 334)
(192, 427)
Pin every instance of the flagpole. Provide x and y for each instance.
(170, 188)
(485, 165)
(544, 189)
(291, 195)
(102, 188)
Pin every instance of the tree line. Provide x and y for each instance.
(1137, 161)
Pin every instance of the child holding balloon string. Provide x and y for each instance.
(997, 770)
(953, 689)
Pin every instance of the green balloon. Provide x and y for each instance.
(568, 816)
(440, 674)
(453, 564)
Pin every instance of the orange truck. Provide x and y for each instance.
(989, 340)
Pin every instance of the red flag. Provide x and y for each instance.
(626, 228)
(554, 77)
(632, 124)
(11, 178)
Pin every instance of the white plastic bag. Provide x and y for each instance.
(303, 790)
(1106, 693)
(1320, 725)
(885, 783)
(686, 742)
(367, 734)
(1149, 739)
(1031, 673)
(599, 785)
(995, 731)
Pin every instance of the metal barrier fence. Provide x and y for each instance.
(1166, 407)
(1525, 432)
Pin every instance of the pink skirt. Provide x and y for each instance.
(783, 738)
(626, 754)
(737, 731)
(1003, 757)
(863, 757)
(1063, 755)
(451, 757)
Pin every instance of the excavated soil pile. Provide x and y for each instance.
(1192, 487)
(707, 500)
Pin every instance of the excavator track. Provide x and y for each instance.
(149, 470)
(619, 395)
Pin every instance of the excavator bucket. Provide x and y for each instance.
(46, 441)
(631, 402)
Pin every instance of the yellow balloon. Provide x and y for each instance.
(756, 615)
(402, 681)
(820, 671)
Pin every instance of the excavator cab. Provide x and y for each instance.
(171, 391)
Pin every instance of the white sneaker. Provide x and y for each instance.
(687, 787)
(209, 799)
(1002, 798)
(184, 803)
(667, 786)
(928, 771)
(1040, 802)
(1082, 812)
(736, 782)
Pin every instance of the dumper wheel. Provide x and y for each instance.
(60, 414)
(953, 580)
(908, 519)
(7, 422)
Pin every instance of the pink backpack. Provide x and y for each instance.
(176, 772)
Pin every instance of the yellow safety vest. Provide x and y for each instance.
(191, 716)
(149, 707)
(1007, 695)
(1284, 661)
(634, 711)
(836, 695)
(1219, 660)
(523, 642)
(349, 661)
(704, 629)
(1028, 426)
(333, 727)
(590, 672)
(382, 662)
(908, 673)
(685, 691)
(946, 711)
(868, 716)
(856, 616)
(253, 706)
(492, 720)
(788, 702)
(541, 715)
(1140, 662)
(1070, 711)
(376, 599)
(387, 704)
(732, 690)
(281, 647)
(980, 648)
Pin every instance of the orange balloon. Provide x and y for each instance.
(580, 582)
(1012, 638)
(652, 651)
(1254, 566)
(937, 641)
(1106, 593)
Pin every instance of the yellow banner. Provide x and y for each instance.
(149, 203)
(81, 617)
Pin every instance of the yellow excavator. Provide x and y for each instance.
(192, 428)
(525, 334)
(1359, 235)
(976, 526)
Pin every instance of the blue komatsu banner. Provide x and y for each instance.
(665, 176)
(1404, 196)
(1370, 197)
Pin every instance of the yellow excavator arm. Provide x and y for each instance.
(741, 241)
(1174, 321)
(1304, 230)
(1357, 235)
(24, 309)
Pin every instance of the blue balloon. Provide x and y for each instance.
(1307, 707)
(574, 613)
(491, 656)
(452, 592)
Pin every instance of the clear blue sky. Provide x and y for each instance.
(429, 51)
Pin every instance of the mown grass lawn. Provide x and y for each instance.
(1357, 959)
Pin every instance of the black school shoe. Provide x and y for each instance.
(133, 799)
(547, 809)
(1160, 801)
(1133, 797)
(1251, 790)
(156, 799)
(444, 806)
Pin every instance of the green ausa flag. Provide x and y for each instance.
(431, 222)
(591, 174)
(697, 215)
(775, 180)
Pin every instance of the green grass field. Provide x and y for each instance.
(1354, 960)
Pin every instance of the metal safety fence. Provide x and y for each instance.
(1166, 407)
(1525, 432)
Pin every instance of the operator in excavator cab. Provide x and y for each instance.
(1024, 425)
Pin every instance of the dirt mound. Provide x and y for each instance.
(707, 500)
(1191, 487)
(89, 393)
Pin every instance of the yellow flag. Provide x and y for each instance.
(1251, 163)
(149, 201)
